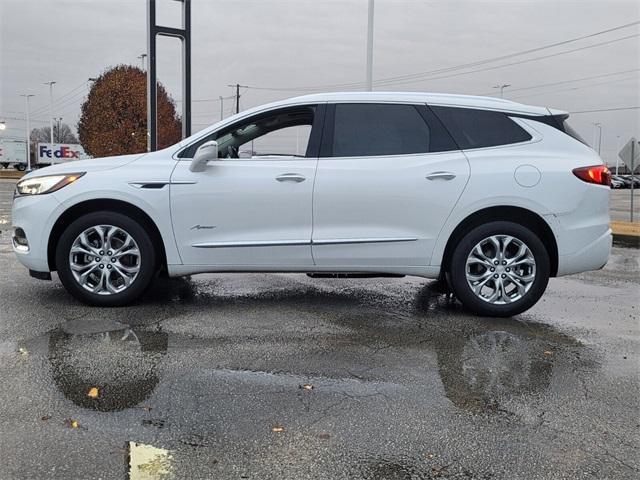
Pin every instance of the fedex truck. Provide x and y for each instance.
(13, 153)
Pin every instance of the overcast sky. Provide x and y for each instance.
(316, 44)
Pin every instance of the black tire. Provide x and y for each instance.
(147, 259)
(21, 167)
(458, 277)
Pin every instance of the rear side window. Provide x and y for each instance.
(472, 128)
(568, 129)
(370, 129)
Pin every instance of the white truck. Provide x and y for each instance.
(13, 153)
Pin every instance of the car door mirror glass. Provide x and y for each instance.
(205, 153)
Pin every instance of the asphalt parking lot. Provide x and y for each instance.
(288, 377)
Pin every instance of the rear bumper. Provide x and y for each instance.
(592, 256)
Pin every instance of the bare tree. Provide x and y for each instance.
(61, 134)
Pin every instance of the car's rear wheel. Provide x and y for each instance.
(105, 259)
(499, 269)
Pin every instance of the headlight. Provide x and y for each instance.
(47, 184)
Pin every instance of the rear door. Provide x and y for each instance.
(388, 176)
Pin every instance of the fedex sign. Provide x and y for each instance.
(61, 152)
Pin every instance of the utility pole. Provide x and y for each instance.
(26, 98)
(370, 47)
(142, 56)
(502, 87)
(51, 84)
(221, 107)
(58, 120)
(237, 86)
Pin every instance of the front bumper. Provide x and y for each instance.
(35, 216)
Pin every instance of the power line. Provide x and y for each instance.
(608, 82)
(453, 68)
(541, 85)
(605, 110)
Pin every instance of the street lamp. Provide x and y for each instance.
(51, 84)
(598, 125)
(502, 87)
(3, 126)
(26, 98)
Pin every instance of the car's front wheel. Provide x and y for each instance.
(105, 259)
(499, 269)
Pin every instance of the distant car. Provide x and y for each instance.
(491, 196)
(617, 182)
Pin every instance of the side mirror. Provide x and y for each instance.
(206, 152)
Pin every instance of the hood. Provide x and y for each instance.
(90, 165)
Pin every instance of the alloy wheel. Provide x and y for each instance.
(500, 269)
(105, 259)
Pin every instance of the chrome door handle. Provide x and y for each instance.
(291, 177)
(441, 176)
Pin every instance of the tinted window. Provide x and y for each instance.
(378, 129)
(480, 128)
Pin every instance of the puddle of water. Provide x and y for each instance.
(146, 462)
(121, 364)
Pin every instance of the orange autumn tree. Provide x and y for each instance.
(114, 116)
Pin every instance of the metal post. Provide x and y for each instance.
(221, 107)
(600, 140)
(184, 34)
(617, 156)
(633, 152)
(237, 98)
(53, 157)
(26, 98)
(370, 47)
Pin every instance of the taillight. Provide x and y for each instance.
(598, 174)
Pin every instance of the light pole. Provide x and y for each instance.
(26, 98)
(502, 87)
(221, 107)
(142, 56)
(617, 150)
(58, 121)
(598, 125)
(370, 47)
(51, 84)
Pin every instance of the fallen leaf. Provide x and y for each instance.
(147, 408)
(44, 418)
(307, 386)
(93, 392)
(277, 429)
(71, 423)
(324, 436)
(547, 352)
(430, 455)
(23, 351)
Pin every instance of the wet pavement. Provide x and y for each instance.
(288, 377)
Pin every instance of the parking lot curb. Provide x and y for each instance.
(626, 234)
(11, 174)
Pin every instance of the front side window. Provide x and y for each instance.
(378, 129)
(473, 128)
(282, 132)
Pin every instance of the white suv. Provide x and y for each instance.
(490, 196)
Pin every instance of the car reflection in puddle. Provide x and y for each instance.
(120, 363)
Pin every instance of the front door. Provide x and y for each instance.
(252, 206)
(387, 179)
